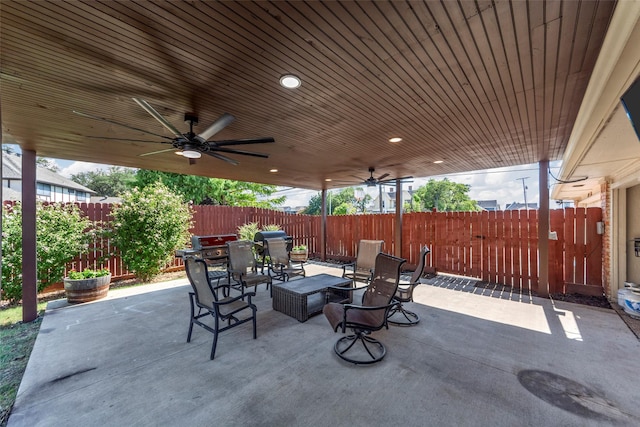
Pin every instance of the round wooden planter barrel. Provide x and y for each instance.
(299, 256)
(85, 290)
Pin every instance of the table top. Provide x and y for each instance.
(311, 284)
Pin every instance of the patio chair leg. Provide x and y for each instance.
(215, 340)
(376, 350)
(191, 296)
(410, 318)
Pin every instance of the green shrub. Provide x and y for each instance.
(87, 273)
(62, 233)
(149, 225)
(249, 230)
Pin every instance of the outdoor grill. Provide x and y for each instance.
(259, 237)
(210, 248)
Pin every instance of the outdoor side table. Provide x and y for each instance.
(303, 298)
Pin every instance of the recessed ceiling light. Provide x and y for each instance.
(438, 161)
(290, 81)
(395, 139)
(328, 179)
(273, 170)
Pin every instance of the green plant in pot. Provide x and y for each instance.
(86, 285)
(299, 253)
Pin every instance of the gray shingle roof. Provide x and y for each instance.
(12, 169)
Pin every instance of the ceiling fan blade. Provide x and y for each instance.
(383, 176)
(221, 157)
(90, 116)
(149, 109)
(358, 178)
(245, 153)
(156, 152)
(393, 180)
(243, 141)
(215, 127)
(132, 140)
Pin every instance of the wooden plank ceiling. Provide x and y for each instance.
(472, 84)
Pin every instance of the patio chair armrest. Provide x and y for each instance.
(369, 308)
(345, 288)
(239, 297)
(344, 267)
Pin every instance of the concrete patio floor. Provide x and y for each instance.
(477, 358)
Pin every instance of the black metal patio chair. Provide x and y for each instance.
(279, 262)
(362, 269)
(243, 267)
(367, 317)
(205, 298)
(399, 315)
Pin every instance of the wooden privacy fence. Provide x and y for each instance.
(499, 247)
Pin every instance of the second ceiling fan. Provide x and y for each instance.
(189, 144)
(372, 181)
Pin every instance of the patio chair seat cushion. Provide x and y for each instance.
(226, 309)
(335, 314)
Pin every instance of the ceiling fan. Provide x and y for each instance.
(372, 181)
(189, 144)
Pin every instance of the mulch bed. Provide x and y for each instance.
(593, 301)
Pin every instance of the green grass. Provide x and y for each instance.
(16, 342)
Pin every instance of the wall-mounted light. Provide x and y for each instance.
(636, 246)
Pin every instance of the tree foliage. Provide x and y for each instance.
(443, 195)
(148, 227)
(47, 164)
(110, 183)
(212, 191)
(62, 233)
(345, 202)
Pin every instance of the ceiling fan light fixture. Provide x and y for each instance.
(191, 154)
(290, 81)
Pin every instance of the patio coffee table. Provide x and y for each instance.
(303, 298)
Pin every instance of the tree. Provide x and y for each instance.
(212, 191)
(47, 164)
(148, 226)
(444, 195)
(110, 183)
(344, 202)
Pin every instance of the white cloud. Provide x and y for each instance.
(78, 167)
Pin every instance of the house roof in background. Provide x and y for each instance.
(12, 169)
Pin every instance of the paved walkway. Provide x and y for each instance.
(477, 358)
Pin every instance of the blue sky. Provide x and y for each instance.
(501, 184)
